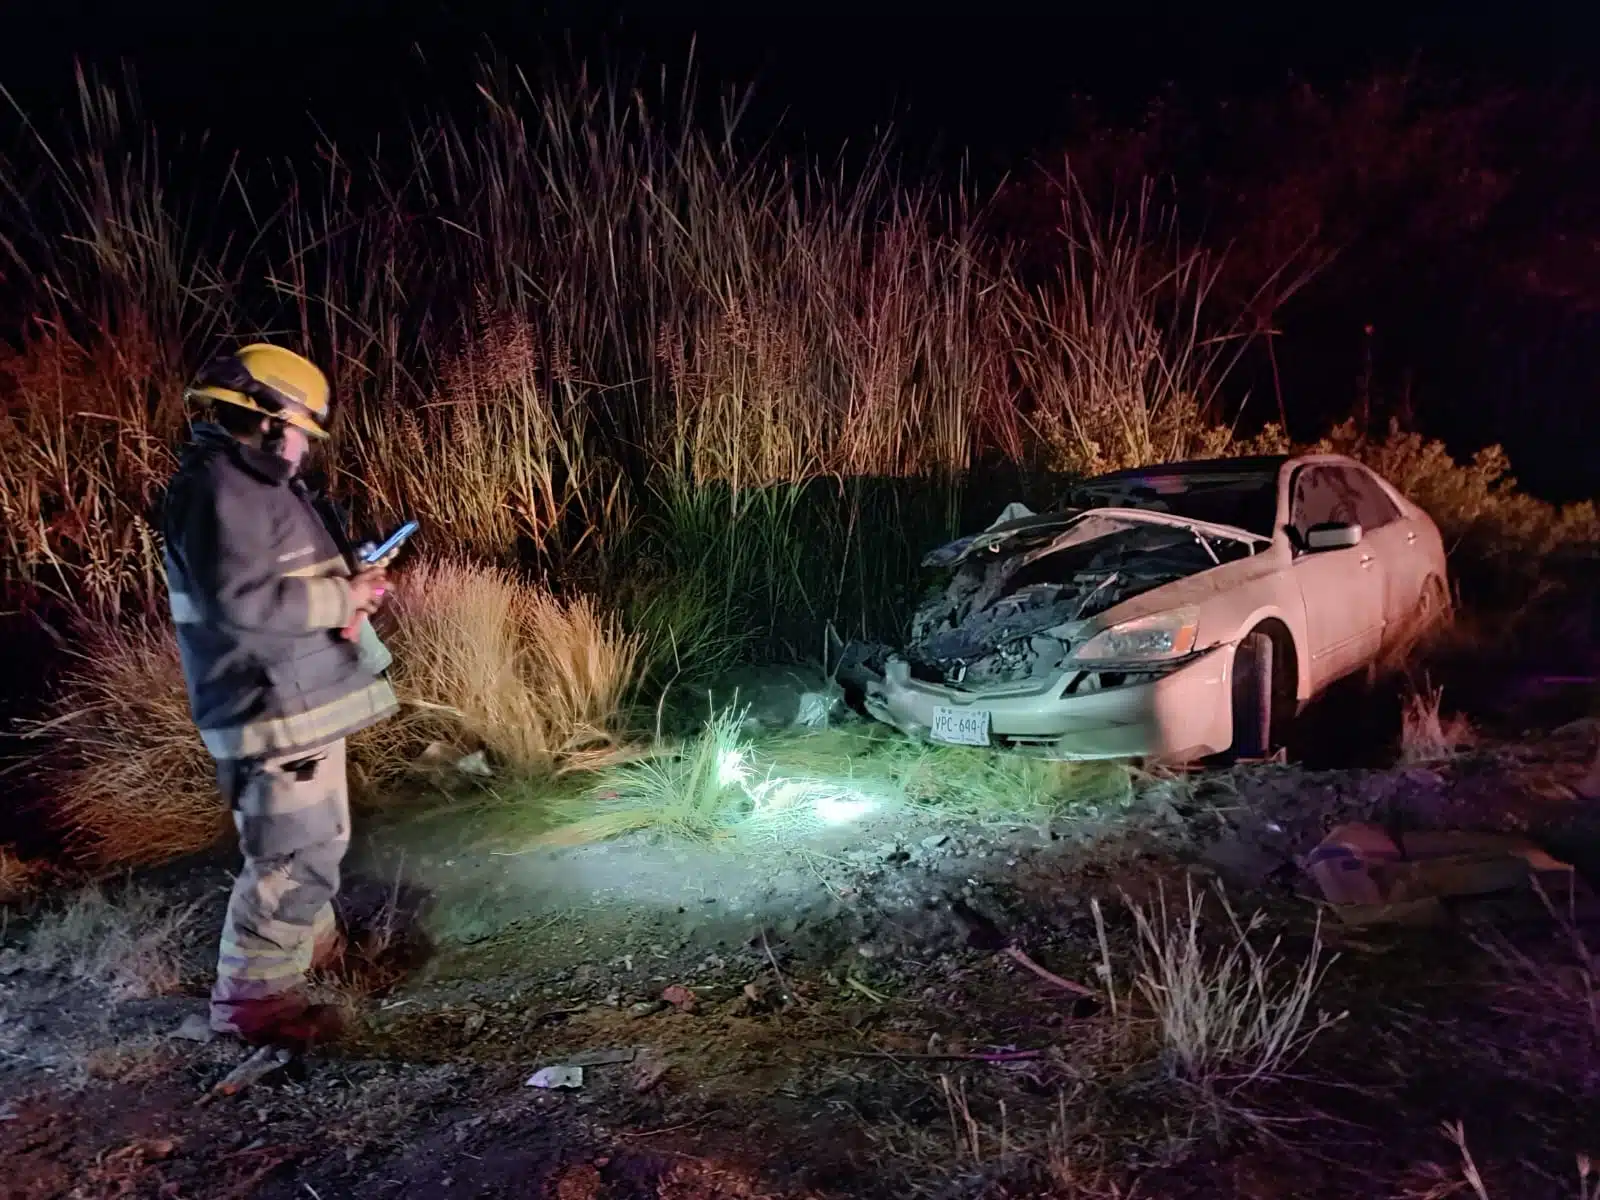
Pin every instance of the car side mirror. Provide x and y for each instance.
(1333, 535)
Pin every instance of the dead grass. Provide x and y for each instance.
(487, 659)
(1552, 994)
(1229, 1016)
(130, 780)
(1427, 734)
(127, 944)
(118, 285)
(497, 456)
(18, 876)
(1122, 353)
(1466, 1179)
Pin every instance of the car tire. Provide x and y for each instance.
(1252, 696)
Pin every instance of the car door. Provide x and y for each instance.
(1394, 539)
(1342, 589)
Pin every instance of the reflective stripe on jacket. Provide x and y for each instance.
(256, 576)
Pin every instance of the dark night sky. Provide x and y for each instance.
(993, 77)
(996, 79)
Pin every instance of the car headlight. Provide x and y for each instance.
(1147, 639)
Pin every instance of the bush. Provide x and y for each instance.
(18, 876)
(128, 945)
(128, 776)
(1476, 504)
(483, 657)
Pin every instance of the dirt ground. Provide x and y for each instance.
(847, 1019)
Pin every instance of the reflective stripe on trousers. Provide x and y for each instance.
(293, 817)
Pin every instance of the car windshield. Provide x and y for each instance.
(1244, 500)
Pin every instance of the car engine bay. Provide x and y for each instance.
(1012, 612)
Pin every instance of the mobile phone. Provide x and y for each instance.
(385, 549)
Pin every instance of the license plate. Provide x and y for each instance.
(960, 726)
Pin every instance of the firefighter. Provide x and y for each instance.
(281, 665)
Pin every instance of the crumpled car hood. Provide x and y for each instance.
(1012, 531)
(1023, 592)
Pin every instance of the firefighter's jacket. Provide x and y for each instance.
(257, 573)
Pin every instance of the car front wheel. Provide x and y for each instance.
(1252, 696)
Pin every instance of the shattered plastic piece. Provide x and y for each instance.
(1015, 511)
(1370, 877)
(816, 710)
(680, 997)
(649, 1071)
(476, 764)
(556, 1077)
(262, 1065)
(438, 754)
(196, 1027)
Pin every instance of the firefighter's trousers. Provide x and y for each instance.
(293, 817)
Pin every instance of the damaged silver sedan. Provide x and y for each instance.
(1173, 613)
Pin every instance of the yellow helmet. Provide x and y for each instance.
(270, 380)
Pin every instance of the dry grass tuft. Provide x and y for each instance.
(1228, 1017)
(695, 791)
(1553, 998)
(1466, 1179)
(1426, 734)
(128, 945)
(483, 657)
(18, 876)
(131, 780)
(497, 454)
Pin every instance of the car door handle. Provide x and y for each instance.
(1411, 537)
(1366, 560)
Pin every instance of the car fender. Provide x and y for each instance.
(1231, 600)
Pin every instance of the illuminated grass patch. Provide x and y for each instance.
(720, 785)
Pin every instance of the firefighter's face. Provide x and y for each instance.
(296, 444)
(291, 443)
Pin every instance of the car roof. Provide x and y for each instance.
(1261, 464)
(1222, 468)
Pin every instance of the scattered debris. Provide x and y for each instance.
(442, 757)
(648, 1071)
(473, 1025)
(856, 985)
(556, 1077)
(1371, 877)
(680, 997)
(259, 1067)
(196, 1027)
(991, 1056)
(1016, 955)
(475, 764)
(646, 1008)
(773, 699)
(582, 1182)
(601, 1058)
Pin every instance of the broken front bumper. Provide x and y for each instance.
(1178, 717)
